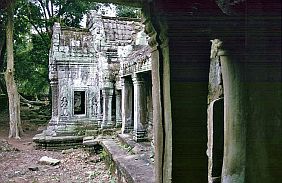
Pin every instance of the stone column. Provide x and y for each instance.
(215, 119)
(234, 159)
(107, 108)
(126, 105)
(139, 133)
(118, 109)
(54, 89)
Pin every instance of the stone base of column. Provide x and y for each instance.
(127, 129)
(140, 135)
(53, 121)
(94, 123)
(106, 124)
(99, 120)
(118, 123)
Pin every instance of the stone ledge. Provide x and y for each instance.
(46, 138)
(57, 142)
(129, 168)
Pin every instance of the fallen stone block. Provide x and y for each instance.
(49, 161)
(33, 168)
(67, 151)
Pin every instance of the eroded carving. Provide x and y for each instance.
(216, 45)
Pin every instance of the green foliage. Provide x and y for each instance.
(33, 31)
(103, 155)
(31, 64)
(71, 11)
(126, 11)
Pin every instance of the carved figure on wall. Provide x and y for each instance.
(94, 106)
(84, 76)
(64, 106)
(73, 75)
(96, 80)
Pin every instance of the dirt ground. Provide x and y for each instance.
(19, 161)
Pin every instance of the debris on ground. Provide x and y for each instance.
(19, 159)
(5, 146)
(49, 161)
(76, 166)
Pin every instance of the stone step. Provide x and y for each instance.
(90, 141)
(129, 168)
(137, 148)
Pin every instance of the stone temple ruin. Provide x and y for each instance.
(101, 83)
(214, 106)
(100, 79)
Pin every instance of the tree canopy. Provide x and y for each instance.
(127, 11)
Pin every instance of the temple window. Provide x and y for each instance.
(79, 102)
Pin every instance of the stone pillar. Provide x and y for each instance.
(107, 108)
(54, 89)
(126, 105)
(234, 158)
(215, 119)
(118, 109)
(139, 133)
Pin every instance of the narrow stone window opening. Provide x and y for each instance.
(79, 102)
(101, 102)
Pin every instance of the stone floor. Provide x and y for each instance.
(131, 162)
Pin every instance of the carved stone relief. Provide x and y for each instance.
(64, 106)
(84, 75)
(94, 106)
(73, 74)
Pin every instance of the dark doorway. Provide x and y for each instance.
(101, 102)
(218, 139)
(79, 102)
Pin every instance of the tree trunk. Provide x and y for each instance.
(14, 100)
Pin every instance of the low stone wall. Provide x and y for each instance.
(57, 143)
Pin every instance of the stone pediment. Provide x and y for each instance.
(72, 44)
(137, 61)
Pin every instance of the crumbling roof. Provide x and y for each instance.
(121, 29)
(140, 54)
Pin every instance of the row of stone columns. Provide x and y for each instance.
(127, 92)
(118, 108)
(134, 100)
(139, 132)
(107, 121)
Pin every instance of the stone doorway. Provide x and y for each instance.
(218, 139)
